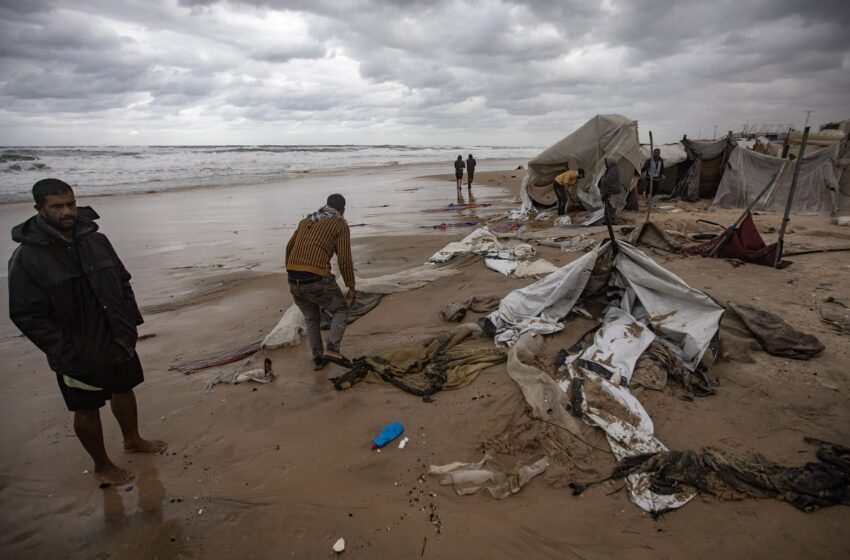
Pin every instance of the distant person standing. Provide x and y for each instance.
(70, 295)
(609, 185)
(313, 287)
(459, 165)
(564, 186)
(652, 172)
(470, 171)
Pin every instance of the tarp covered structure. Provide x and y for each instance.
(587, 147)
(709, 165)
(749, 172)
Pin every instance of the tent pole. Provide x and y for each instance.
(785, 218)
(649, 171)
(747, 210)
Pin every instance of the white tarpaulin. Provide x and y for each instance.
(748, 173)
(646, 303)
(482, 242)
(685, 317)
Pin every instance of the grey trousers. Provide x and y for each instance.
(310, 299)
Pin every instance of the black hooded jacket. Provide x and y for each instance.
(72, 300)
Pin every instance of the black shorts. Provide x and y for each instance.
(458, 174)
(119, 378)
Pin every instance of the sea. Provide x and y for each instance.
(109, 170)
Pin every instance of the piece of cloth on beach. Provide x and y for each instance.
(315, 242)
(256, 375)
(99, 387)
(456, 311)
(427, 367)
(648, 234)
(597, 402)
(291, 327)
(835, 313)
(482, 242)
(470, 478)
(775, 335)
(810, 487)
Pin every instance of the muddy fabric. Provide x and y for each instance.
(470, 478)
(658, 364)
(456, 311)
(810, 487)
(425, 368)
(835, 313)
(775, 335)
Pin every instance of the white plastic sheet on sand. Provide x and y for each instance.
(482, 242)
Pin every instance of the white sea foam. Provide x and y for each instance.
(135, 169)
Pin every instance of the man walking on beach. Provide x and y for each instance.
(652, 172)
(70, 295)
(311, 283)
(609, 185)
(459, 165)
(470, 171)
(564, 186)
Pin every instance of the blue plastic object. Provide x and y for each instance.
(388, 434)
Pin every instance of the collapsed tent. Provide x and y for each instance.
(645, 304)
(749, 172)
(587, 147)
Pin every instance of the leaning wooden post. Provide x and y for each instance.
(779, 244)
(649, 171)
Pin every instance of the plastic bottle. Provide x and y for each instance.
(388, 434)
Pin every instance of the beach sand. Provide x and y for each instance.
(285, 469)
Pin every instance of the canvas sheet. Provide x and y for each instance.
(482, 242)
(601, 136)
(749, 172)
(686, 317)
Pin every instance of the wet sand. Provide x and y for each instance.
(284, 469)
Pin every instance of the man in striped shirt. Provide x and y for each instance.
(313, 287)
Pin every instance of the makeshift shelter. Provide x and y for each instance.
(587, 147)
(676, 164)
(749, 172)
(709, 164)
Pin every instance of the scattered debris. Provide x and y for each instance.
(339, 545)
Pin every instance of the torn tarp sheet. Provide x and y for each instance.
(744, 243)
(685, 317)
(520, 269)
(482, 242)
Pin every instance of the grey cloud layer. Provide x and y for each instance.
(510, 69)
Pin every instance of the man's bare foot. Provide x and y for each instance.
(145, 446)
(112, 475)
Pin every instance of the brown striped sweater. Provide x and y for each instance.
(314, 243)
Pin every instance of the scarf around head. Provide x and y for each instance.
(324, 213)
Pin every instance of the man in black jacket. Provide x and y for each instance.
(70, 295)
(609, 185)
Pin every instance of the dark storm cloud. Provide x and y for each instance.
(539, 65)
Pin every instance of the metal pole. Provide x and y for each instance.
(779, 244)
(649, 172)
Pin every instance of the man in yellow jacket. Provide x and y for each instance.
(313, 287)
(564, 187)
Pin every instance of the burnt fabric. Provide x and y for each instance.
(814, 485)
(775, 335)
(425, 368)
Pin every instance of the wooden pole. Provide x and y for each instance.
(785, 218)
(649, 172)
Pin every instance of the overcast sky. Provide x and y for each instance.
(409, 71)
